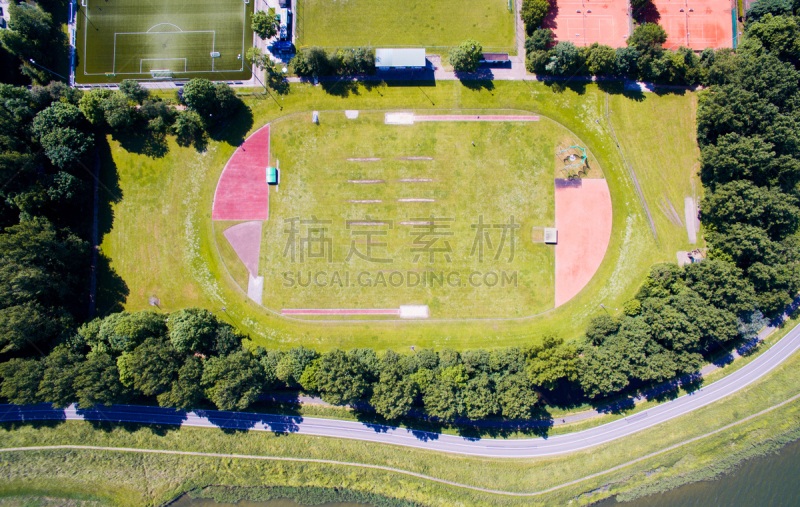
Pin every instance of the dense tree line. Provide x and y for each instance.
(47, 142)
(191, 357)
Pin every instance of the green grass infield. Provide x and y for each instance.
(437, 24)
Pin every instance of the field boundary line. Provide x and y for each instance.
(407, 472)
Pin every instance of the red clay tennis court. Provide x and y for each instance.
(242, 191)
(696, 24)
(584, 22)
(583, 221)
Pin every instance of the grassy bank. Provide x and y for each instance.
(138, 479)
(159, 239)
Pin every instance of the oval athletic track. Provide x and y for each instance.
(384, 434)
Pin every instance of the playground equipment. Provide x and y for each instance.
(574, 161)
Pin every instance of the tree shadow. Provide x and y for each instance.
(476, 81)
(646, 14)
(233, 129)
(142, 141)
(347, 86)
(112, 292)
(559, 86)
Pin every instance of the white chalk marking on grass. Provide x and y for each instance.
(351, 115)
(416, 223)
(415, 180)
(255, 288)
(364, 201)
(399, 118)
(364, 159)
(414, 158)
(414, 312)
(416, 200)
(366, 182)
(368, 223)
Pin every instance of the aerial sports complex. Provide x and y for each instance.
(149, 40)
(395, 215)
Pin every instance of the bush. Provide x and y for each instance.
(565, 59)
(540, 40)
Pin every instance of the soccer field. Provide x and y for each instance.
(432, 24)
(167, 39)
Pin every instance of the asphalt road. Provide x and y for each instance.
(487, 447)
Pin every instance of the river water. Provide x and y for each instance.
(768, 481)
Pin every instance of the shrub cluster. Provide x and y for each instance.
(315, 61)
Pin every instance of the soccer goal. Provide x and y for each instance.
(84, 3)
(161, 74)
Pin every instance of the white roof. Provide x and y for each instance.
(405, 57)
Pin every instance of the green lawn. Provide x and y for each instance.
(161, 241)
(391, 253)
(658, 139)
(433, 24)
(126, 39)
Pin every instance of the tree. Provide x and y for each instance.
(311, 62)
(65, 146)
(480, 398)
(192, 330)
(123, 332)
(444, 397)
(133, 91)
(780, 35)
(212, 101)
(745, 203)
(97, 381)
(564, 59)
(647, 38)
(21, 378)
(393, 394)
(627, 61)
(764, 8)
(358, 61)
(516, 396)
(721, 284)
(188, 128)
(290, 368)
(117, 112)
(186, 391)
(533, 13)
(91, 105)
(340, 378)
(537, 61)
(601, 59)
(233, 382)
(265, 25)
(26, 324)
(61, 368)
(31, 34)
(59, 115)
(551, 361)
(466, 57)
(601, 327)
(150, 368)
(540, 40)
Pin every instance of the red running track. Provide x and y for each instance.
(333, 311)
(473, 117)
(242, 191)
(583, 221)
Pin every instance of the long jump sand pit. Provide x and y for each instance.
(696, 24)
(583, 221)
(584, 22)
(242, 191)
